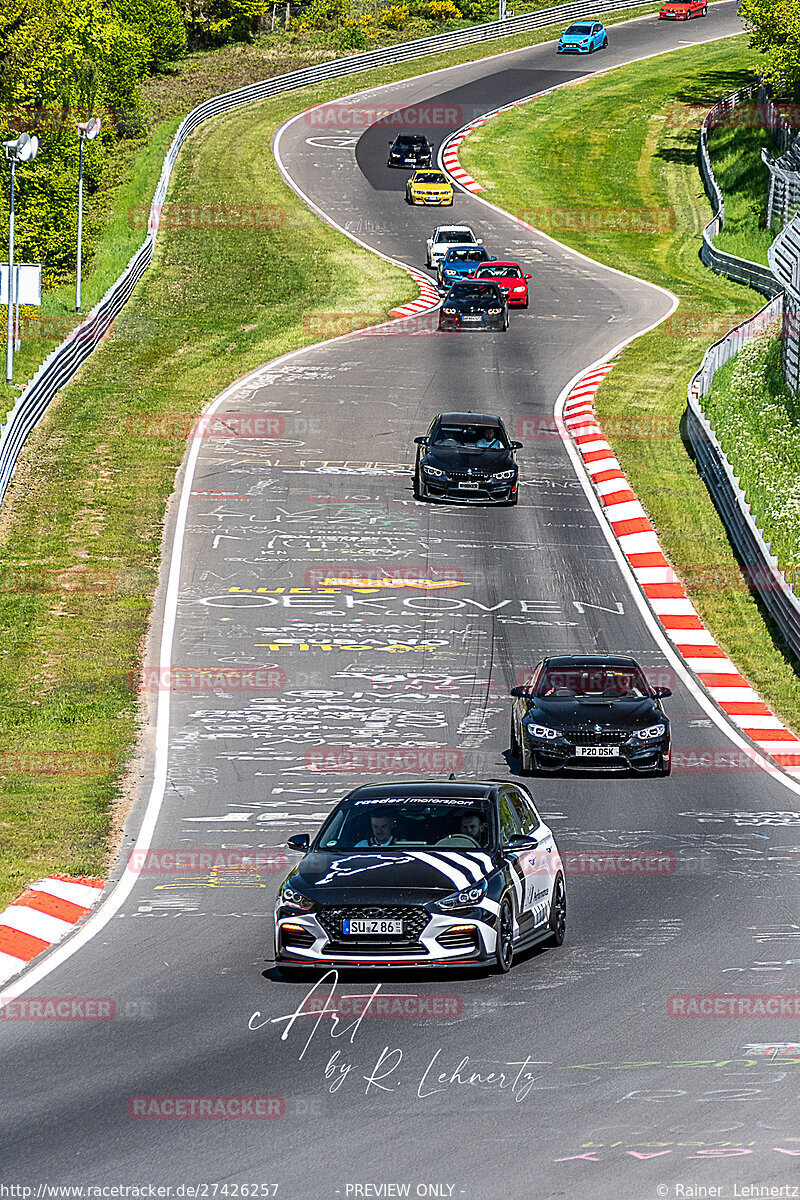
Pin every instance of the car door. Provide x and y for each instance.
(542, 864)
(516, 860)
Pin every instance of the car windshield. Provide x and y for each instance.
(469, 437)
(583, 29)
(409, 143)
(475, 254)
(466, 291)
(592, 683)
(430, 177)
(454, 235)
(410, 823)
(499, 272)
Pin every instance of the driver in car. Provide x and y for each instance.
(383, 831)
(471, 825)
(488, 440)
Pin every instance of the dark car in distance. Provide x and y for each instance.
(467, 458)
(410, 150)
(423, 874)
(474, 305)
(590, 712)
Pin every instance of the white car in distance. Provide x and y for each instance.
(447, 236)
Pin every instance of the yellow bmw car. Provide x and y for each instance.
(429, 187)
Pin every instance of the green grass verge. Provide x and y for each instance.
(743, 179)
(756, 420)
(633, 156)
(135, 168)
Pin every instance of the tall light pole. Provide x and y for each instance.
(22, 149)
(87, 132)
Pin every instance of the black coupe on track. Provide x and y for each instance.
(590, 713)
(474, 305)
(467, 458)
(410, 150)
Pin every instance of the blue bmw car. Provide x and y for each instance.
(461, 261)
(583, 37)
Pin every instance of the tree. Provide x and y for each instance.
(216, 22)
(775, 30)
(161, 22)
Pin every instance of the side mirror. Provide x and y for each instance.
(523, 843)
(662, 692)
(493, 258)
(299, 841)
(528, 276)
(520, 692)
(516, 445)
(421, 441)
(479, 241)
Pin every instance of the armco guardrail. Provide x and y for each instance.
(741, 270)
(759, 564)
(784, 259)
(61, 365)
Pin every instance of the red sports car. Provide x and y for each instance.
(510, 277)
(682, 10)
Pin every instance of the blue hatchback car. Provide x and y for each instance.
(461, 261)
(583, 37)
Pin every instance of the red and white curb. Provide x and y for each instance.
(662, 587)
(428, 296)
(42, 916)
(450, 161)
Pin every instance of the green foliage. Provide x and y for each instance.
(775, 30)
(215, 22)
(163, 23)
(442, 10)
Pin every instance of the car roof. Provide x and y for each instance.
(564, 661)
(425, 789)
(454, 229)
(470, 418)
(411, 137)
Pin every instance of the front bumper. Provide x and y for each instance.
(501, 491)
(422, 198)
(673, 16)
(561, 755)
(571, 49)
(456, 322)
(319, 948)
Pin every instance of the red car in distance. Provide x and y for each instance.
(511, 279)
(682, 10)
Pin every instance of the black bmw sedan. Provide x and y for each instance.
(468, 458)
(588, 713)
(423, 874)
(474, 305)
(410, 150)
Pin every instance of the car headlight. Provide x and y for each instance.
(431, 470)
(505, 474)
(519, 289)
(654, 731)
(494, 311)
(466, 899)
(543, 732)
(296, 899)
(450, 311)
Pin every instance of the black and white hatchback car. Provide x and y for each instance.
(423, 874)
